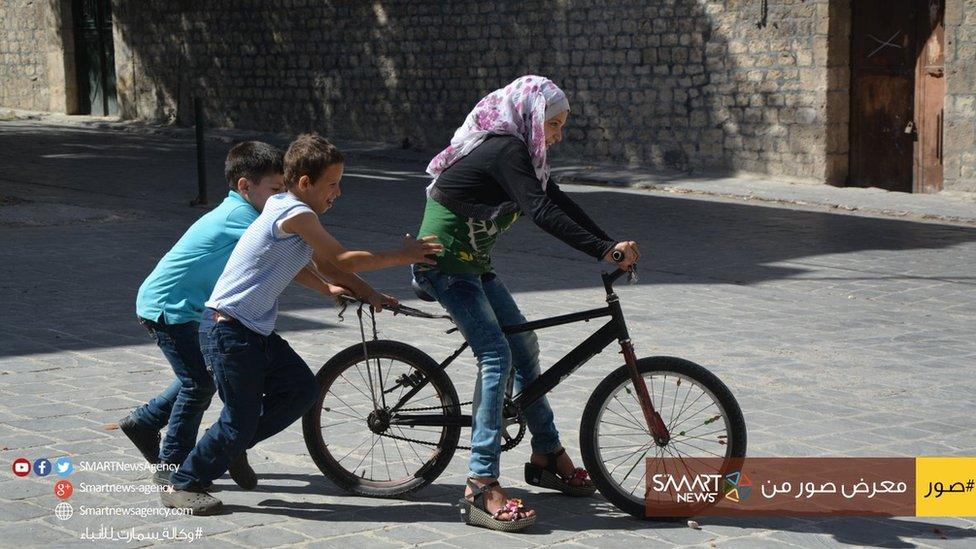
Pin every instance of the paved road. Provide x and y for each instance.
(839, 335)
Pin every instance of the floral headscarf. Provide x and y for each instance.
(519, 109)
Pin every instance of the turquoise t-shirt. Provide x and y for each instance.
(184, 278)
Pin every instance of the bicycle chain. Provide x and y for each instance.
(424, 442)
(511, 443)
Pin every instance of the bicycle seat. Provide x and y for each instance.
(424, 296)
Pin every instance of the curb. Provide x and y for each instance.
(949, 208)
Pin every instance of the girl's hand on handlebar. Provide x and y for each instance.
(624, 254)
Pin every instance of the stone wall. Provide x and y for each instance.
(685, 84)
(960, 103)
(36, 59)
(701, 85)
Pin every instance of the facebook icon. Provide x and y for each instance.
(42, 467)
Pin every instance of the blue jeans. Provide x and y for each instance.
(155, 413)
(265, 387)
(481, 305)
(182, 404)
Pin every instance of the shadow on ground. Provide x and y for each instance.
(438, 503)
(84, 277)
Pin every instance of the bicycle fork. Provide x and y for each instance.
(655, 424)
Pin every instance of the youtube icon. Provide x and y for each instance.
(21, 467)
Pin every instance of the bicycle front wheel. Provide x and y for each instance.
(701, 415)
(350, 435)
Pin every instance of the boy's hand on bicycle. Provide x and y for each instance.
(334, 290)
(417, 250)
(378, 300)
(630, 254)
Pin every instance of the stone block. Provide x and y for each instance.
(807, 116)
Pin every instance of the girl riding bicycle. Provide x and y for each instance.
(494, 171)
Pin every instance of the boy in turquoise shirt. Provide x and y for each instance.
(170, 301)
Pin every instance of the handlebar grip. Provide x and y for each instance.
(617, 256)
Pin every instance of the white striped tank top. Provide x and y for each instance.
(261, 266)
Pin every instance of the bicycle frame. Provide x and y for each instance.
(614, 329)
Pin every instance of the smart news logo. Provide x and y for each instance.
(737, 486)
(704, 488)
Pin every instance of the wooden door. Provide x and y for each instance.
(930, 98)
(95, 57)
(883, 47)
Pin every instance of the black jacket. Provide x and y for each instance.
(497, 178)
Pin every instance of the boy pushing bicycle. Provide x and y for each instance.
(264, 384)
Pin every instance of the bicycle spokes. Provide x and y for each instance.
(684, 409)
(357, 425)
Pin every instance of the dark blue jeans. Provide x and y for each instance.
(182, 404)
(265, 387)
(155, 413)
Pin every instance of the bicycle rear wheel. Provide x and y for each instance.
(348, 432)
(701, 414)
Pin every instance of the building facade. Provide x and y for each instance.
(844, 92)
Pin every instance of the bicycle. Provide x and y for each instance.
(620, 427)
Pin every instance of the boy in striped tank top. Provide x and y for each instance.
(264, 384)
(170, 301)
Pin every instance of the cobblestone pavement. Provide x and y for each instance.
(839, 335)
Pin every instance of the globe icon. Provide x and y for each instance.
(63, 510)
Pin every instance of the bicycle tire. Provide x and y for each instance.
(619, 378)
(319, 449)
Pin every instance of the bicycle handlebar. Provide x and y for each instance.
(610, 278)
(396, 309)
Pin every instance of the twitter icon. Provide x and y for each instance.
(63, 466)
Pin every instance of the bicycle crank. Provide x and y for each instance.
(510, 441)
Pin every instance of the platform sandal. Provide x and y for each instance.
(475, 512)
(549, 477)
